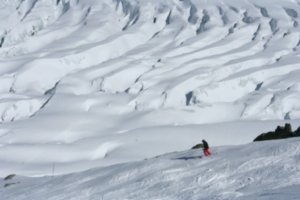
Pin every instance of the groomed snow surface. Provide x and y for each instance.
(92, 83)
(257, 171)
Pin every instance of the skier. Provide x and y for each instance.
(205, 148)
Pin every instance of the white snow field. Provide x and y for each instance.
(257, 171)
(93, 83)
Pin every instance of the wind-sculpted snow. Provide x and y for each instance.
(77, 74)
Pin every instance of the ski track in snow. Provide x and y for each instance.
(262, 170)
(94, 83)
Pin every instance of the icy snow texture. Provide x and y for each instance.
(85, 83)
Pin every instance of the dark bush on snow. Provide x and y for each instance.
(279, 133)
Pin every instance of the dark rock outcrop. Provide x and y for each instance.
(198, 146)
(9, 180)
(9, 177)
(297, 132)
(279, 133)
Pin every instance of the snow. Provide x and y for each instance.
(87, 84)
(262, 170)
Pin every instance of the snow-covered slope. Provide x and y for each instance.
(263, 170)
(87, 83)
